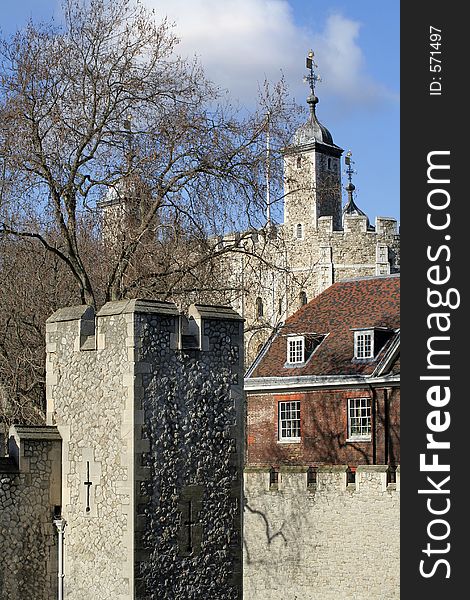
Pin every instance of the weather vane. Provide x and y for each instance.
(312, 77)
(349, 163)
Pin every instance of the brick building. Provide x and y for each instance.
(325, 388)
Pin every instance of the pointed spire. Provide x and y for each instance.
(312, 130)
(351, 207)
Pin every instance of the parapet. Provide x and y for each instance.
(19, 437)
(365, 479)
(83, 316)
(386, 225)
(325, 224)
(355, 224)
(197, 315)
(30, 495)
(29, 448)
(125, 307)
(88, 335)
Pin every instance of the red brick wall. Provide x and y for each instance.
(324, 428)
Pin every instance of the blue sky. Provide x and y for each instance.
(241, 42)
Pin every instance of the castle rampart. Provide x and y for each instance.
(314, 535)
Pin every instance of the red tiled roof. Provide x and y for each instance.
(347, 305)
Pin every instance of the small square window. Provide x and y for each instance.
(289, 421)
(364, 344)
(296, 350)
(359, 419)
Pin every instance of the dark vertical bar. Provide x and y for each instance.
(375, 425)
(433, 120)
(386, 426)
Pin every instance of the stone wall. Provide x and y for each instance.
(90, 399)
(327, 540)
(194, 423)
(29, 492)
(150, 407)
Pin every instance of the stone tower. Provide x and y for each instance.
(312, 171)
(149, 406)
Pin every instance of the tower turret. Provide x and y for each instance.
(351, 208)
(312, 169)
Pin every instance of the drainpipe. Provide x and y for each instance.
(60, 525)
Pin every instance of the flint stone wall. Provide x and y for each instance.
(29, 490)
(329, 540)
(193, 421)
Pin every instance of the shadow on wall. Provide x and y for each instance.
(270, 537)
(324, 437)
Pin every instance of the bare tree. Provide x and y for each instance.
(34, 283)
(102, 108)
(120, 164)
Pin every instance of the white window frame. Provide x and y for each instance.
(289, 421)
(359, 419)
(296, 350)
(364, 344)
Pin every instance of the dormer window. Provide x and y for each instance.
(368, 343)
(301, 347)
(296, 349)
(364, 343)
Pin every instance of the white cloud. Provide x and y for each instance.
(242, 42)
(344, 64)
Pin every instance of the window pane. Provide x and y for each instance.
(295, 350)
(359, 417)
(363, 345)
(289, 420)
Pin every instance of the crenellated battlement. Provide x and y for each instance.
(353, 224)
(366, 479)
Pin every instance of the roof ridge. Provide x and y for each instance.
(366, 277)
